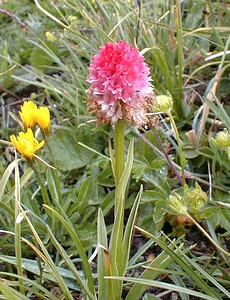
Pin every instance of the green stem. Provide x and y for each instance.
(18, 250)
(115, 248)
(53, 171)
(181, 154)
(119, 145)
(45, 195)
(207, 235)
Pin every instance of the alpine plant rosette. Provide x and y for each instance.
(120, 85)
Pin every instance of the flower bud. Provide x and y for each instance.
(43, 119)
(50, 36)
(177, 205)
(196, 199)
(222, 140)
(163, 103)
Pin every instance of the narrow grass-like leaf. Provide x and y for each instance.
(219, 111)
(184, 265)
(104, 286)
(31, 285)
(180, 59)
(67, 224)
(70, 264)
(48, 259)
(23, 180)
(17, 225)
(140, 252)
(163, 260)
(126, 244)
(11, 293)
(33, 267)
(207, 276)
(164, 285)
(162, 62)
(5, 177)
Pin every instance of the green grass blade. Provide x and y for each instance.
(49, 261)
(219, 111)
(207, 276)
(126, 244)
(163, 260)
(70, 264)
(164, 285)
(67, 224)
(5, 177)
(31, 285)
(180, 59)
(184, 265)
(11, 293)
(104, 286)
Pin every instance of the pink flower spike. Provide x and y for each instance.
(120, 85)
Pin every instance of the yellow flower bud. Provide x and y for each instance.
(43, 118)
(163, 103)
(26, 144)
(28, 114)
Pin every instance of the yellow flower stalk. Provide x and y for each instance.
(28, 114)
(26, 144)
(43, 118)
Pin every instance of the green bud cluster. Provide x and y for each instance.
(222, 140)
(191, 201)
(163, 104)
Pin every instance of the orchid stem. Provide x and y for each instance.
(119, 145)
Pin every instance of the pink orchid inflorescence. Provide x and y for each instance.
(120, 85)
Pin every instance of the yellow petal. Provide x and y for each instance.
(28, 113)
(26, 144)
(43, 118)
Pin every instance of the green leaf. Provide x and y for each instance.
(68, 155)
(221, 217)
(32, 266)
(205, 151)
(40, 60)
(184, 265)
(70, 265)
(159, 214)
(164, 285)
(5, 177)
(163, 260)
(53, 185)
(126, 244)
(219, 111)
(71, 230)
(104, 286)
(11, 293)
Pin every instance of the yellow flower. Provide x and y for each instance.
(43, 118)
(26, 143)
(28, 114)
